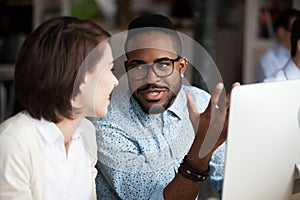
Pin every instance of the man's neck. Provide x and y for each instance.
(285, 45)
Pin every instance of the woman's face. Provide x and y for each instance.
(97, 87)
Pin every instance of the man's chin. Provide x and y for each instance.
(154, 109)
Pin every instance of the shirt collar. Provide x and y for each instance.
(291, 71)
(144, 118)
(50, 132)
(179, 105)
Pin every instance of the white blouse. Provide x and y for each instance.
(68, 176)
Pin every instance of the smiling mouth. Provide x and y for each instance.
(153, 94)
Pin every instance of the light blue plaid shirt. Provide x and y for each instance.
(289, 72)
(271, 62)
(139, 154)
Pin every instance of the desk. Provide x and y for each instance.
(7, 72)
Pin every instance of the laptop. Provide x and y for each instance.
(263, 143)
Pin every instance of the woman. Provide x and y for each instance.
(63, 73)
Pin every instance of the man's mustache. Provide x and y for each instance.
(151, 86)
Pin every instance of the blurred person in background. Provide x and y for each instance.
(275, 58)
(291, 70)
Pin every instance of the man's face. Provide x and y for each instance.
(154, 93)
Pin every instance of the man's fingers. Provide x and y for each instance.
(193, 113)
(191, 105)
(228, 96)
(216, 95)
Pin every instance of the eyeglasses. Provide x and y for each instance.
(162, 67)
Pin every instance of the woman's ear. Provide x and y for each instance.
(82, 86)
(76, 101)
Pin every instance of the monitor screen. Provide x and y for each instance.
(263, 144)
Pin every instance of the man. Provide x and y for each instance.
(275, 58)
(148, 131)
(291, 70)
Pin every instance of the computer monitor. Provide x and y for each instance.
(263, 144)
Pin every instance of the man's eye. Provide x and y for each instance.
(139, 67)
(163, 65)
(136, 67)
(132, 66)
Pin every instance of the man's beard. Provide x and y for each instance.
(156, 109)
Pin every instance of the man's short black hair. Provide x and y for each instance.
(153, 23)
(153, 20)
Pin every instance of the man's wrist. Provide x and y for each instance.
(200, 164)
(191, 172)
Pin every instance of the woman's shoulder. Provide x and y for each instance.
(89, 136)
(87, 125)
(18, 132)
(16, 126)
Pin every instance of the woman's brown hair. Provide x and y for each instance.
(48, 63)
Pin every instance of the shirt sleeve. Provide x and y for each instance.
(117, 184)
(123, 171)
(14, 172)
(217, 165)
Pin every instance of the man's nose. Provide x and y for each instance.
(151, 76)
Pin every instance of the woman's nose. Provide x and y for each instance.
(116, 82)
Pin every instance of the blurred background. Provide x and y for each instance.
(235, 33)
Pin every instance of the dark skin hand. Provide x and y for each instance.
(212, 132)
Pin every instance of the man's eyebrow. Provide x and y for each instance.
(155, 61)
(162, 59)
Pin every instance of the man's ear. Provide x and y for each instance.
(183, 63)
